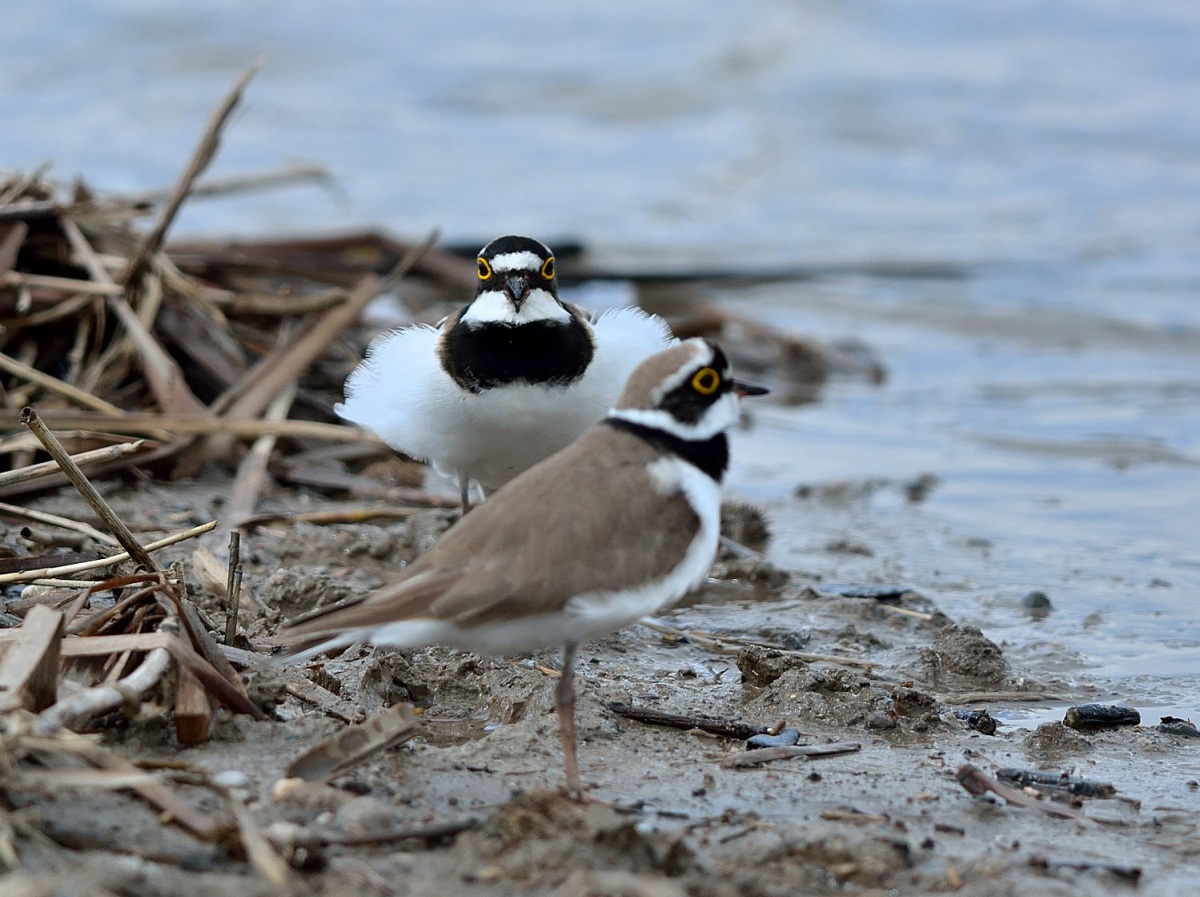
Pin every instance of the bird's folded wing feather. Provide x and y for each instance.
(585, 520)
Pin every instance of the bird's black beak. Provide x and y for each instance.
(516, 288)
(748, 389)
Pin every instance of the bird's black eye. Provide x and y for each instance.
(485, 270)
(706, 381)
(548, 268)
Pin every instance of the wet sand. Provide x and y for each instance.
(670, 816)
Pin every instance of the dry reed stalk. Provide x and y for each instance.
(205, 151)
(36, 471)
(28, 575)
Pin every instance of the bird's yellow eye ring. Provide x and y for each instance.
(485, 270)
(548, 268)
(706, 381)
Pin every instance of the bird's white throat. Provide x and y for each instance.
(493, 307)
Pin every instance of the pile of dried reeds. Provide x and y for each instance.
(197, 349)
(207, 353)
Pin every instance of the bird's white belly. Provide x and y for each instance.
(494, 435)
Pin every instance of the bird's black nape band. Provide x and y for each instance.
(710, 455)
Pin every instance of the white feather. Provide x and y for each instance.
(401, 393)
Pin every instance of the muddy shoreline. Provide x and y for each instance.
(671, 817)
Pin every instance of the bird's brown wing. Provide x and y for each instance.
(587, 519)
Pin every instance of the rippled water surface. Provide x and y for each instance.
(1046, 155)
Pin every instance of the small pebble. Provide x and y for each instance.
(881, 719)
(365, 815)
(1037, 605)
(1173, 725)
(231, 778)
(1036, 600)
(786, 737)
(979, 720)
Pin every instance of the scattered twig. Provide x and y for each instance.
(116, 526)
(756, 756)
(233, 587)
(725, 728)
(976, 782)
(262, 856)
(54, 520)
(341, 515)
(997, 697)
(857, 817)
(323, 699)
(65, 284)
(210, 187)
(248, 482)
(65, 747)
(95, 456)
(66, 523)
(241, 428)
(326, 478)
(434, 832)
(904, 612)
(50, 539)
(728, 644)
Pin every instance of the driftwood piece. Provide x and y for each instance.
(29, 671)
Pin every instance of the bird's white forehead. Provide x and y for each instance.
(700, 354)
(517, 261)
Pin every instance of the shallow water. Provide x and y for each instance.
(1049, 153)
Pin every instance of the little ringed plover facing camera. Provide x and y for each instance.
(505, 381)
(618, 525)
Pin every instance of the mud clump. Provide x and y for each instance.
(964, 653)
(761, 666)
(1055, 740)
(382, 550)
(290, 592)
(796, 690)
(868, 863)
(541, 835)
(388, 678)
(918, 707)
